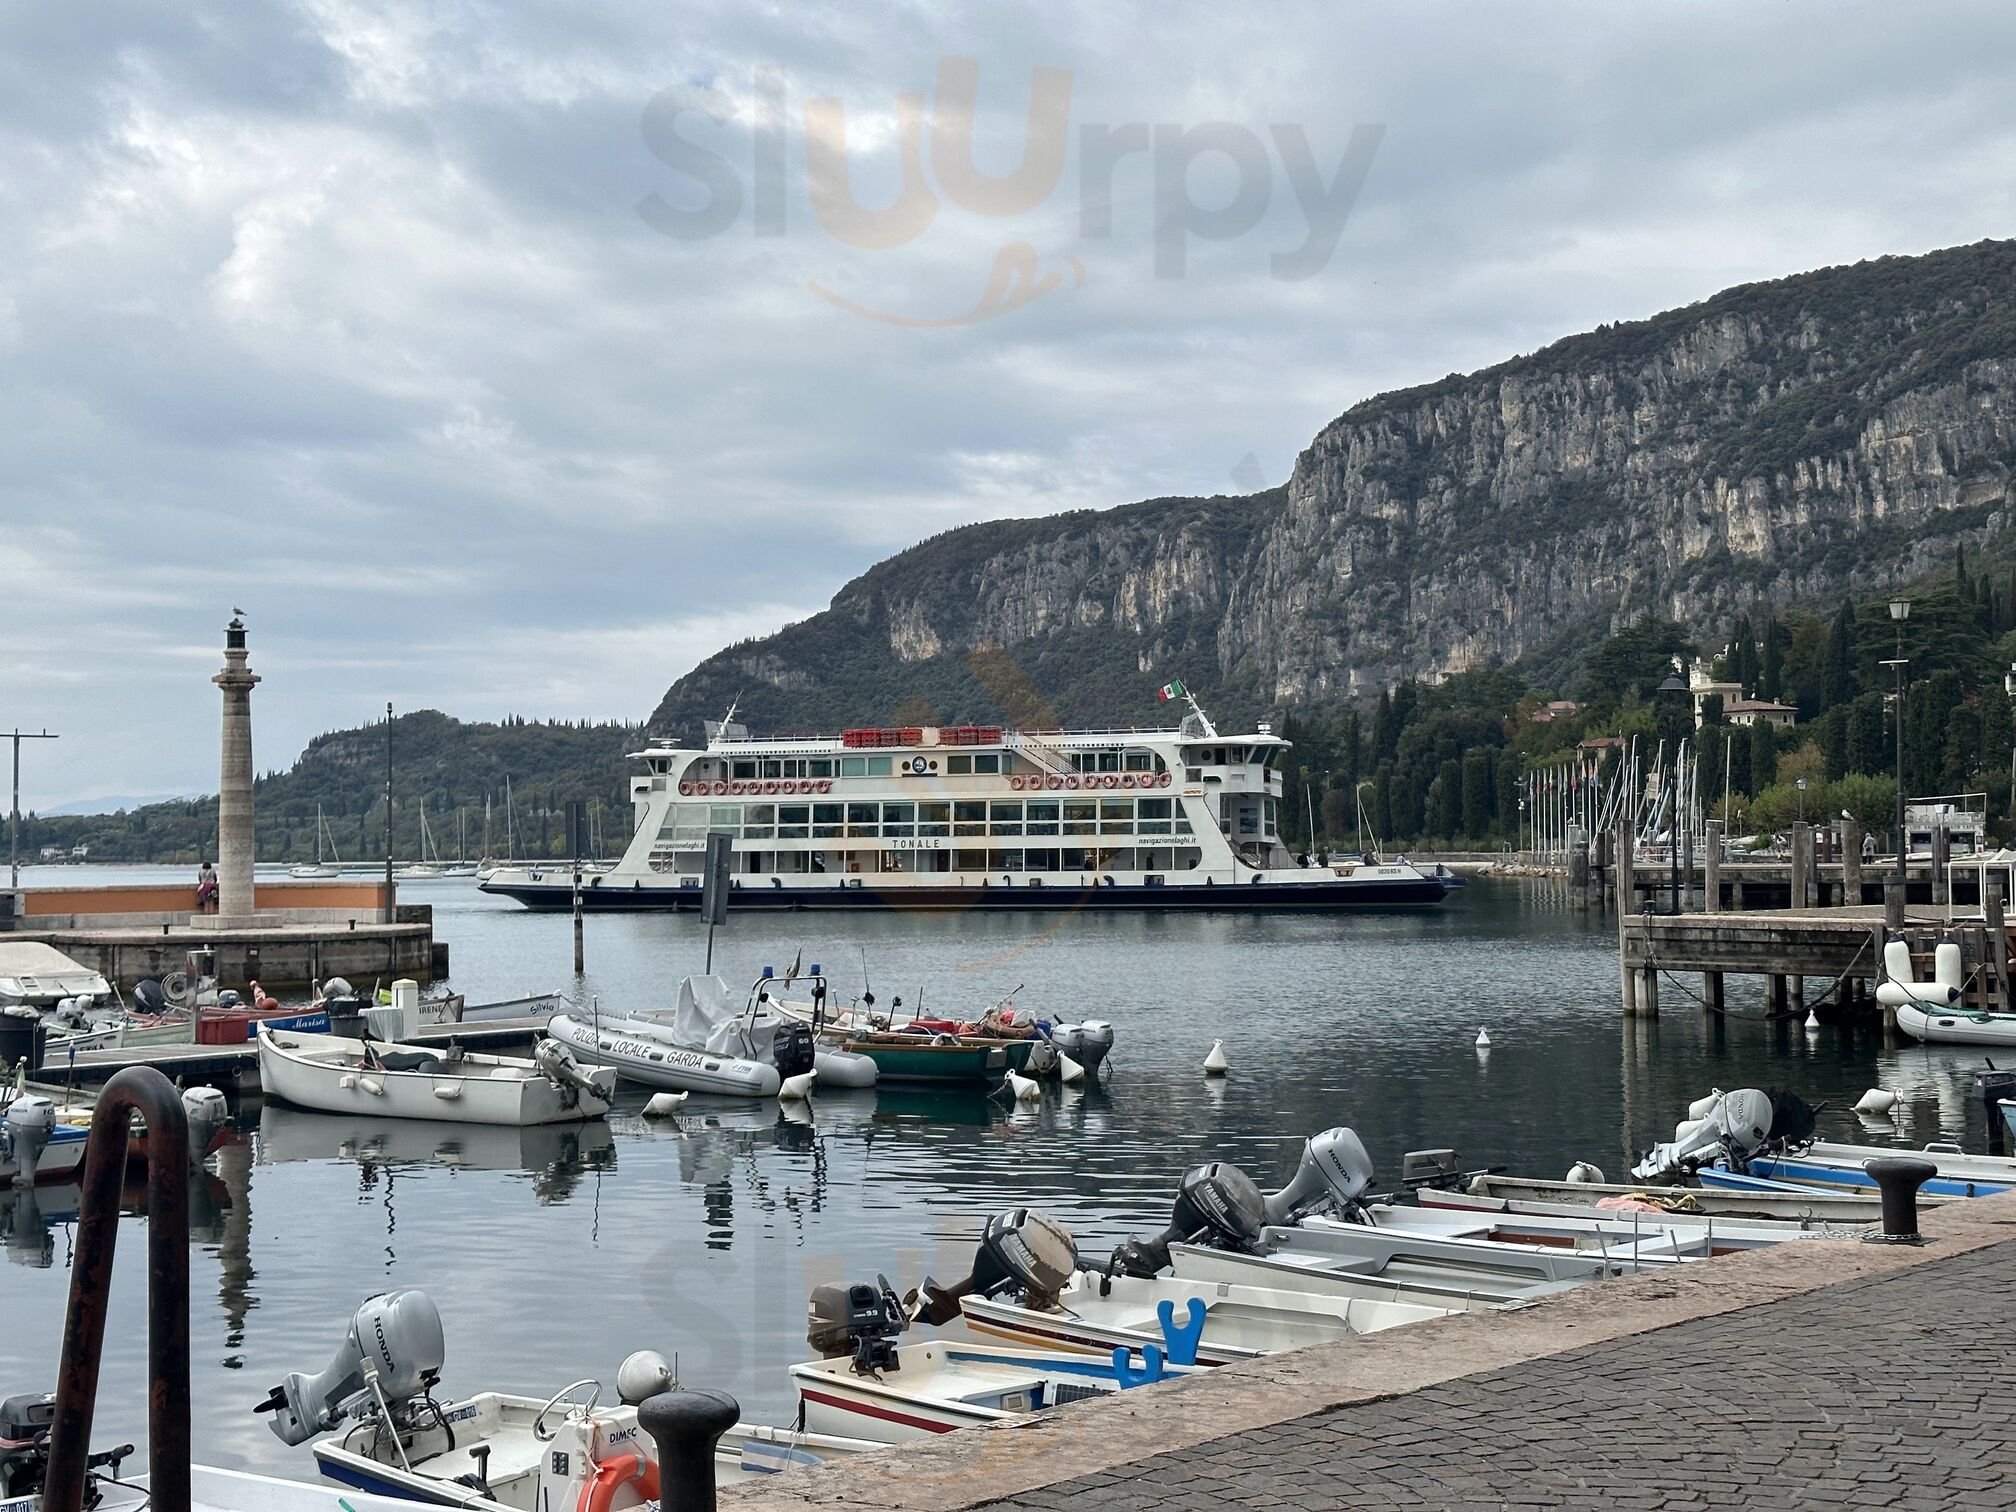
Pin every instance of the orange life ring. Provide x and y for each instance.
(612, 1474)
(770, 785)
(1127, 781)
(1053, 783)
(685, 790)
(1015, 783)
(720, 786)
(735, 787)
(825, 784)
(1110, 780)
(1163, 780)
(805, 784)
(1072, 782)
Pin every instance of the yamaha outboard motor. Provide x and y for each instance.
(207, 1112)
(863, 1320)
(792, 1049)
(1217, 1204)
(393, 1351)
(1334, 1172)
(1022, 1252)
(148, 997)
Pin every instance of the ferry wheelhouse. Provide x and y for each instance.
(973, 816)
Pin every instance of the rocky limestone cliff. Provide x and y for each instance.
(1839, 429)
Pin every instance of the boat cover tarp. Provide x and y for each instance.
(708, 1016)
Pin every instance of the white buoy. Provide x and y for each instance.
(664, 1104)
(1582, 1173)
(1069, 1070)
(797, 1088)
(1877, 1100)
(1215, 1064)
(1812, 1022)
(1022, 1088)
(1701, 1107)
(1483, 1039)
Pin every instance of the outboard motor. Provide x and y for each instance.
(1021, 1252)
(30, 1125)
(229, 998)
(394, 1350)
(1334, 1171)
(207, 1112)
(1991, 1087)
(863, 1320)
(557, 1062)
(148, 997)
(1217, 1204)
(25, 1422)
(1095, 1039)
(792, 1049)
(1739, 1126)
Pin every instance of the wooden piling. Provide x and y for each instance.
(1711, 991)
(1851, 862)
(1711, 864)
(1942, 855)
(1802, 865)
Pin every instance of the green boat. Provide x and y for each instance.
(946, 1061)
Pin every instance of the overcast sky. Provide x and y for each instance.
(509, 358)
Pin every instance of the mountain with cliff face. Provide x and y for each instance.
(1834, 431)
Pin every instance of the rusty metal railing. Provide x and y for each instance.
(145, 1091)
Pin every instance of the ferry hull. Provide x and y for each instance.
(612, 894)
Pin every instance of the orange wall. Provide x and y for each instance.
(72, 901)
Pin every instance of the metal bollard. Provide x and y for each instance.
(686, 1425)
(1898, 1178)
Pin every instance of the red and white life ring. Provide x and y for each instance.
(804, 784)
(1015, 783)
(1053, 783)
(734, 787)
(1127, 780)
(1111, 780)
(825, 784)
(614, 1473)
(685, 790)
(1072, 782)
(770, 785)
(1163, 780)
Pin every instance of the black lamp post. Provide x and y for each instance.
(1900, 611)
(1675, 686)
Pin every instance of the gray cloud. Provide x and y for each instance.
(345, 311)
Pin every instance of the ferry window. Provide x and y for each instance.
(878, 766)
(1139, 761)
(970, 860)
(1109, 761)
(1008, 860)
(794, 813)
(822, 766)
(1043, 818)
(958, 766)
(851, 766)
(725, 816)
(745, 769)
(826, 820)
(1116, 816)
(861, 818)
(934, 818)
(1004, 819)
(1079, 816)
(773, 768)
(761, 813)
(755, 831)
(1154, 815)
(1040, 860)
(1193, 774)
(899, 813)
(969, 818)
(987, 763)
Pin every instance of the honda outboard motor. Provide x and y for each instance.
(31, 1124)
(1334, 1171)
(863, 1320)
(1085, 1043)
(1217, 1204)
(1736, 1128)
(792, 1049)
(556, 1061)
(394, 1350)
(207, 1112)
(1021, 1252)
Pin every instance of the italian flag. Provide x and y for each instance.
(1169, 691)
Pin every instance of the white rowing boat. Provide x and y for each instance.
(333, 1074)
(1197, 1322)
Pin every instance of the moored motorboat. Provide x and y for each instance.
(494, 1448)
(387, 1080)
(1565, 1198)
(41, 976)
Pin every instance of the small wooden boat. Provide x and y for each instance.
(1566, 1198)
(336, 1075)
(1198, 1322)
(943, 1059)
(940, 1386)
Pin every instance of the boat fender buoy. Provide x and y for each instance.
(664, 1104)
(372, 1085)
(1483, 1039)
(1022, 1088)
(1069, 1070)
(797, 1088)
(1181, 1342)
(1582, 1173)
(449, 1091)
(1877, 1100)
(1215, 1063)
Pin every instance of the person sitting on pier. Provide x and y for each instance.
(206, 888)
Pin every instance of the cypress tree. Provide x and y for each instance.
(1837, 672)
(1772, 673)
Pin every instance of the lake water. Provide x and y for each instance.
(553, 1253)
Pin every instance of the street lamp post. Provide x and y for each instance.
(1900, 611)
(1676, 687)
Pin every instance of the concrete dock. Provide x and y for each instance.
(1820, 1373)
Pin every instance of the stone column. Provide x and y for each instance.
(234, 791)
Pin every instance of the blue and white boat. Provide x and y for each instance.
(1823, 1165)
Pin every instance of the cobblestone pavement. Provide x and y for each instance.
(1893, 1391)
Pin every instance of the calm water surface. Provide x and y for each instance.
(552, 1253)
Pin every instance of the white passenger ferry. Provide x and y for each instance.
(974, 816)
